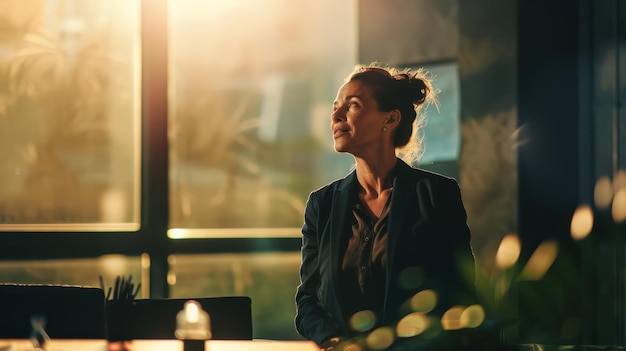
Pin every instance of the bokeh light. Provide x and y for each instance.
(603, 192)
(619, 206)
(363, 320)
(380, 338)
(541, 260)
(424, 301)
(350, 346)
(508, 252)
(582, 222)
(412, 324)
(473, 316)
(451, 320)
(619, 181)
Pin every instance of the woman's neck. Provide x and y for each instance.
(375, 177)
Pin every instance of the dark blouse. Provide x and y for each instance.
(364, 261)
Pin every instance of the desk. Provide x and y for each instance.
(164, 345)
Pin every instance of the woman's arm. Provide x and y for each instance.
(312, 320)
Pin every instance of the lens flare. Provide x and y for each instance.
(351, 347)
(380, 339)
(603, 192)
(582, 222)
(473, 316)
(619, 181)
(619, 206)
(363, 320)
(424, 301)
(412, 324)
(451, 320)
(541, 260)
(508, 252)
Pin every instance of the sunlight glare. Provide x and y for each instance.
(113, 205)
(113, 264)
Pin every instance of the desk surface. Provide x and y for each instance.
(163, 345)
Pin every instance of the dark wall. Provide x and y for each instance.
(548, 71)
(570, 55)
(548, 115)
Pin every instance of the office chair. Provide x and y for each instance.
(231, 318)
(69, 311)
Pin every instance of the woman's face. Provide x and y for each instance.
(356, 121)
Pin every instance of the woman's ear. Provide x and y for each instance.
(393, 119)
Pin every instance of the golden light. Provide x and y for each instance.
(541, 260)
(473, 316)
(113, 264)
(582, 222)
(412, 324)
(603, 192)
(451, 320)
(145, 275)
(171, 278)
(351, 347)
(192, 311)
(619, 181)
(508, 252)
(171, 274)
(424, 301)
(363, 320)
(619, 206)
(145, 261)
(113, 205)
(380, 338)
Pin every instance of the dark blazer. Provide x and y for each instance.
(428, 234)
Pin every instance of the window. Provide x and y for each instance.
(69, 115)
(250, 91)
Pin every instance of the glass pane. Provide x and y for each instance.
(251, 89)
(269, 279)
(69, 115)
(82, 272)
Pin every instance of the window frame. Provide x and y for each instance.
(152, 236)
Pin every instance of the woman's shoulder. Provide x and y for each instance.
(423, 174)
(335, 185)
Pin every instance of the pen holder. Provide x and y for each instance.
(119, 320)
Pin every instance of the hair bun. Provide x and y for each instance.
(412, 87)
(419, 90)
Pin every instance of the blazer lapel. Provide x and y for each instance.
(338, 224)
(340, 214)
(400, 202)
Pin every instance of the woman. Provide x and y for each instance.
(387, 231)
